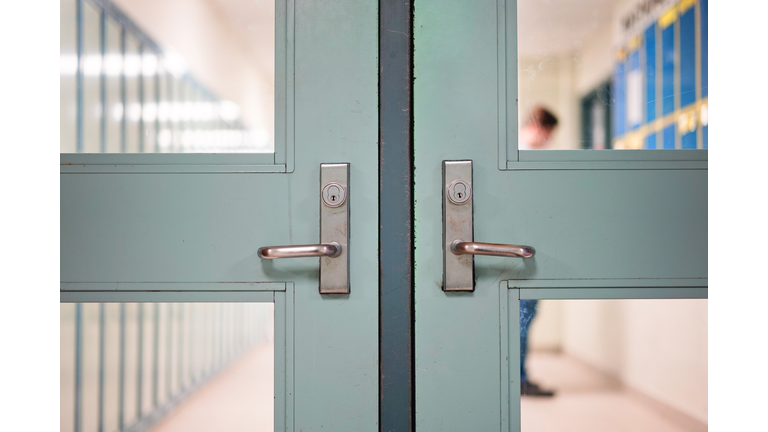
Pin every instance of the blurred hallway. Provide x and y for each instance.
(588, 400)
(240, 398)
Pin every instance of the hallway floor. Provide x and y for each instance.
(587, 400)
(237, 400)
(240, 399)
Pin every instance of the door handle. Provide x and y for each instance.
(459, 248)
(333, 248)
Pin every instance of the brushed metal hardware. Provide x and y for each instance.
(300, 251)
(458, 270)
(334, 194)
(334, 227)
(333, 249)
(459, 248)
(459, 192)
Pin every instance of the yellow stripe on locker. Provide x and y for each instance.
(668, 18)
(684, 5)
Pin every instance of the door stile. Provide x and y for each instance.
(396, 333)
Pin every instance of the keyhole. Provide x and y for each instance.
(460, 189)
(459, 192)
(333, 195)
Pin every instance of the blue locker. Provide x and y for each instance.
(688, 141)
(619, 99)
(634, 66)
(668, 135)
(650, 75)
(668, 70)
(650, 142)
(687, 58)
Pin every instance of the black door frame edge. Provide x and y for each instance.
(396, 373)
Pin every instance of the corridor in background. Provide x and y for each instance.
(618, 74)
(128, 366)
(167, 76)
(628, 365)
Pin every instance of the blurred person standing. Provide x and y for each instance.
(537, 130)
(534, 135)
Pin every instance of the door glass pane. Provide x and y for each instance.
(167, 76)
(167, 366)
(612, 74)
(614, 365)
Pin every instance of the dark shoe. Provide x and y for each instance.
(531, 389)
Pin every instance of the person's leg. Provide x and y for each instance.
(527, 312)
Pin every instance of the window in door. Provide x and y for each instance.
(629, 365)
(611, 74)
(167, 76)
(165, 367)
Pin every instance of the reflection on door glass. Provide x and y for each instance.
(164, 367)
(612, 74)
(167, 76)
(613, 365)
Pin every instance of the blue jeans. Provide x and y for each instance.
(527, 312)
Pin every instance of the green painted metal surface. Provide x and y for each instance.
(165, 296)
(191, 221)
(618, 222)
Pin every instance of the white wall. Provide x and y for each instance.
(665, 352)
(657, 347)
(595, 61)
(548, 81)
(593, 331)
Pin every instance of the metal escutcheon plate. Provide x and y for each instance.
(458, 270)
(334, 227)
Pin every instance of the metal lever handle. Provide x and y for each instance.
(459, 247)
(331, 250)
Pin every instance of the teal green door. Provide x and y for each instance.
(604, 224)
(187, 227)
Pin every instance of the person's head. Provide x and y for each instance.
(539, 127)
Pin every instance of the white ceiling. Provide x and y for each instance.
(554, 27)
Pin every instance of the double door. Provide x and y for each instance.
(168, 228)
